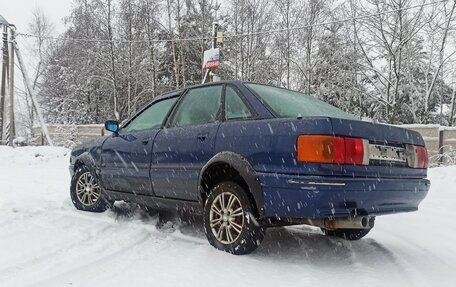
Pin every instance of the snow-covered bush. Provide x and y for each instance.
(447, 157)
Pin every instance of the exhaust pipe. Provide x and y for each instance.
(357, 222)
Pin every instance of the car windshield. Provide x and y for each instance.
(286, 104)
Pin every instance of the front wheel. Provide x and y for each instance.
(86, 193)
(347, 234)
(229, 222)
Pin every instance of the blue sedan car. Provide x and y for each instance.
(249, 156)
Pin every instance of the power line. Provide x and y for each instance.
(234, 35)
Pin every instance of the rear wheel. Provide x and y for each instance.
(86, 193)
(347, 234)
(229, 222)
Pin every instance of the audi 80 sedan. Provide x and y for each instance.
(248, 156)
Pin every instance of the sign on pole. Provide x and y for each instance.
(211, 59)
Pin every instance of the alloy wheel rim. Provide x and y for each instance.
(226, 217)
(87, 189)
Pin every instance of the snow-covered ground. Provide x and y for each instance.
(45, 241)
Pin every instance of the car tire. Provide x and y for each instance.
(347, 234)
(86, 194)
(229, 222)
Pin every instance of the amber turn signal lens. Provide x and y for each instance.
(316, 148)
(331, 149)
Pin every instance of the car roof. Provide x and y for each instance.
(181, 90)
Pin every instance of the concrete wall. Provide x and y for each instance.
(430, 134)
(439, 140)
(69, 135)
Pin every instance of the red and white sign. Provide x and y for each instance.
(211, 59)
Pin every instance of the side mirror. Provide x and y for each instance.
(112, 126)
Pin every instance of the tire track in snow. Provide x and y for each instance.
(113, 258)
(366, 256)
(144, 233)
(409, 253)
(412, 244)
(44, 257)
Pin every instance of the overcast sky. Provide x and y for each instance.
(18, 12)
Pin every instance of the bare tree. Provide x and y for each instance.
(40, 26)
(448, 18)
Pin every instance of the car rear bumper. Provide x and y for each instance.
(291, 196)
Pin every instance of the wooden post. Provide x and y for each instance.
(12, 128)
(451, 120)
(441, 145)
(3, 87)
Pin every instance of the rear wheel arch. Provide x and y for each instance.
(231, 166)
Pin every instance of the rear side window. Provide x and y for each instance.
(152, 117)
(286, 104)
(235, 108)
(199, 106)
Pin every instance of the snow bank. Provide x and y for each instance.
(44, 241)
(29, 155)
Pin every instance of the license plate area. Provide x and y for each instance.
(387, 153)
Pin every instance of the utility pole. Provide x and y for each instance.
(12, 128)
(4, 71)
(208, 73)
(215, 27)
(32, 94)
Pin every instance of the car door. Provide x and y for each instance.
(187, 143)
(126, 156)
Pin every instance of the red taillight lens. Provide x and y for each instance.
(417, 156)
(423, 158)
(331, 149)
(354, 151)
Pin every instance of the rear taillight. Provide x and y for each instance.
(423, 158)
(417, 156)
(331, 149)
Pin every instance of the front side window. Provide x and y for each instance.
(199, 106)
(235, 108)
(286, 103)
(152, 117)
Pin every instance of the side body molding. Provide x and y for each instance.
(246, 171)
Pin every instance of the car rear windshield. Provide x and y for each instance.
(286, 104)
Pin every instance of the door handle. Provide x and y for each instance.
(145, 141)
(202, 137)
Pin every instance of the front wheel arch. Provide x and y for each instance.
(86, 159)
